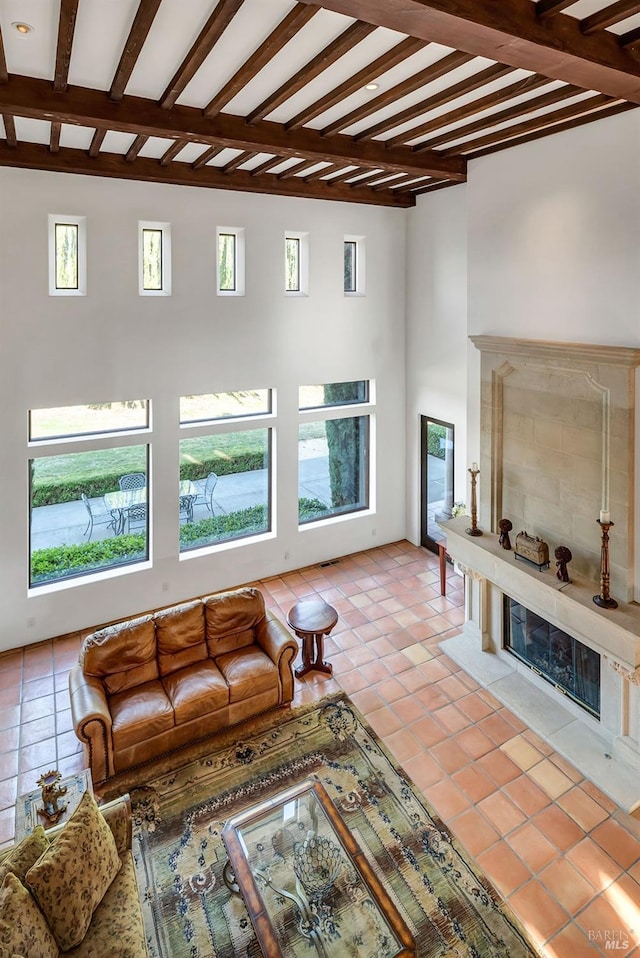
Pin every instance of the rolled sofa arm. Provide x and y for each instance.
(281, 648)
(118, 816)
(92, 722)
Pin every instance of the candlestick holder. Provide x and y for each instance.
(473, 530)
(604, 600)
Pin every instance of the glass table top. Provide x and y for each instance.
(306, 882)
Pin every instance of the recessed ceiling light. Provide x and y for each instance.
(22, 28)
(371, 86)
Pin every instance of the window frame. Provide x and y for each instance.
(360, 264)
(77, 444)
(80, 223)
(364, 410)
(165, 264)
(302, 240)
(238, 233)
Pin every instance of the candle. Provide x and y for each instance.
(474, 467)
(605, 516)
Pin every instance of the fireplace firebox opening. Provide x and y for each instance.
(567, 664)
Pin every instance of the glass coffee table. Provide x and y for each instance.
(305, 881)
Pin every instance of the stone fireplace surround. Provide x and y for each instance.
(557, 445)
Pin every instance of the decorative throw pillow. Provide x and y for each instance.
(23, 930)
(25, 854)
(70, 879)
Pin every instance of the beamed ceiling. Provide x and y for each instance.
(368, 101)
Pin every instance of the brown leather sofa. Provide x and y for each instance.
(149, 685)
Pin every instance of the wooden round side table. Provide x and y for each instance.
(311, 620)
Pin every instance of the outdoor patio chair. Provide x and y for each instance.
(96, 517)
(135, 514)
(206, 496)
(186, 507)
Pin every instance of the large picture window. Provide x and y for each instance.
(88, 503)
(333, 451)
(225, 473)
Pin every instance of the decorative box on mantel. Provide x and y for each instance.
(603, 743)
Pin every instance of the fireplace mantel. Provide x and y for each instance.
(607, 750)
(614, 633)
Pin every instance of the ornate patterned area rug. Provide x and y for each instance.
(450, 908)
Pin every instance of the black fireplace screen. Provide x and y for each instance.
(573, 668)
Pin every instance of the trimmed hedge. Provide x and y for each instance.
(434, 446)
(59, 562)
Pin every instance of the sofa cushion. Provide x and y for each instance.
(23, 855)
(122, 655)
(248, 671)
(139, 714)
(195, 691)
(231, 618)
(23, 929)
(117, 928)
(180, 636)
(70, 879)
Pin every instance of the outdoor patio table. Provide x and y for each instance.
(120, 501)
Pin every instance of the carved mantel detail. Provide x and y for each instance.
(630, 675)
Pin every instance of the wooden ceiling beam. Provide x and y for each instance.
(135, 148)
(204, 158)
(37, 156)
(410, 185)
(569, 124)
(33, 97)
(630, 38)
(587, 106)
(238, 160)
(387, 61)
(10, 130)
(503, 116)
(142, 22)
(433, 72)
(299, 168)
(431, 188)
(520, 87)
(318, 174)
(349, 174)
(66, 29)
(96, 142)
(172, 152)
(509, 33)
(547, 8)
(266, 165)
(294, 21)
(54, 137)
(462, 88)
(614, 13)
(4, 74)
(317, 65)
(223, 14)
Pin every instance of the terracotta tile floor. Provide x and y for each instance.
(566, 858)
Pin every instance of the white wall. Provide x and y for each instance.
(436, 333)
(113, 344)
(554, 244)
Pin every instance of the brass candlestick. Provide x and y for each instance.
(604, 600)
(473, 529)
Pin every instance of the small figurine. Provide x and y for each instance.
(52, 811)
(563, 555)
(505, 526)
